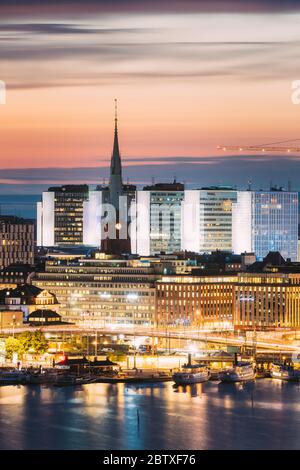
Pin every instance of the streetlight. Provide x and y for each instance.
(95, 343)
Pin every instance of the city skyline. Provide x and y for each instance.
(149, 229)
(187, 79)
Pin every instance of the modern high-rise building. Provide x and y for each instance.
(16, 241)
(266, 221)
(207, 219)
(60, 215)
(156, 226)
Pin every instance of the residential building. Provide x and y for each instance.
(27, 298)
(16, 241)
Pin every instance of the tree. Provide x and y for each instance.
(25, 340)
(11, 346)
(39, 342)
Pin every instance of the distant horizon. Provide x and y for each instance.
(233, 170)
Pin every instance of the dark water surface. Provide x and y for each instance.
(264, 415)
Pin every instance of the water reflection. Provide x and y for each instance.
(262, 414)
(194, 390)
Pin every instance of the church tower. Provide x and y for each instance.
(115, 182)
(120, 243)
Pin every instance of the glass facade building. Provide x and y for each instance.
(207, 219)
(266, 221)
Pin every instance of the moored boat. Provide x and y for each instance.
(240, 372)
(284, 372)
(191, 374)
(65, 380)
(13, 377)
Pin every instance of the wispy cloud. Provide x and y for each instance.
(195, 171)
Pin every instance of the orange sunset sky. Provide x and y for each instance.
(186, 79)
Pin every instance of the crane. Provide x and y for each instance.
(270, 147)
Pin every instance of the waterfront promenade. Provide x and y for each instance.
(273, 342)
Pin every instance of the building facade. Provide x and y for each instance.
(60, 216)
(207, 219)
(104, 291)
(156, 226)
(17, 241)
(27, 298)
(266, 221)
(267, 301)
(196, 301)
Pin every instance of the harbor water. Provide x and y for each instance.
(260, 415)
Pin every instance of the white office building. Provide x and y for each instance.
(207, 219)
(156, 219)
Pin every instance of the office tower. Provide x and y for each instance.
(157, 227)
(60, 216)
(266, 221)
(207, 219)
(16, 241)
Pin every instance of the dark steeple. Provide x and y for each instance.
(118, 242)
(115, 184)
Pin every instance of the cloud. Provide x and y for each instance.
(62, 28)
(194, 171)
(11, 7)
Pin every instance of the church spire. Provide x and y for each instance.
(115, 183)
(115, 166)
(121, 242)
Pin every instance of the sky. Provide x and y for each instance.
(188, 76)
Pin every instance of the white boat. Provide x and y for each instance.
(191, 374)
(283, 372)
(13, 377)
(240, 372)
